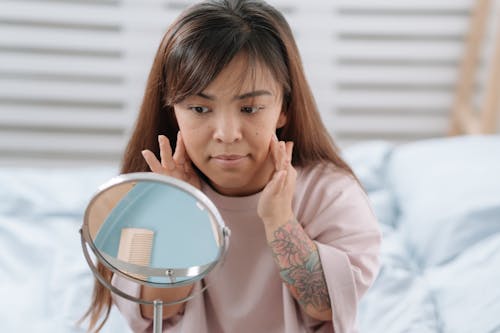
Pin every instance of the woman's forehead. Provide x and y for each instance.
(241, 76)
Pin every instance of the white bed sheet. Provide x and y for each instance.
(45, 283)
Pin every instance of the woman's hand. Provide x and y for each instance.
(178, 166)
(275, 203)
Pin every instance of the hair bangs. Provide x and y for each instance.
(269, 54)
(203, 47)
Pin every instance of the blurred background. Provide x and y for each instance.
(384, 73)
(72, 72)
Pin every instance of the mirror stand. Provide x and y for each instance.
(157, 316)
(131, 226)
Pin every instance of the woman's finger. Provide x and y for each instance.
(277, 182)
(180, 150)
(152, 161)
(289, 151)
(278, 153)
(283, 156)
(291, 176)
(188, 166)
(166, 153)
(273, 151)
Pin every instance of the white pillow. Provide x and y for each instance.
(448, 194)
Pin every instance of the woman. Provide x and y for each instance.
(227, 94)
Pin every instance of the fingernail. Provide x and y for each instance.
(275, 137)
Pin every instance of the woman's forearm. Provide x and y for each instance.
(300, 268)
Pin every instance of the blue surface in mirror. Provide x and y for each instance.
(183, 234)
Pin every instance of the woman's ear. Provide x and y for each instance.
(281, 120)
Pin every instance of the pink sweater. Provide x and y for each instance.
(247, 294)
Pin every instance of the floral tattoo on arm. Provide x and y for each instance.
(300, 266)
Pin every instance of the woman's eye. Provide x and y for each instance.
(250, 109)
(199, 109)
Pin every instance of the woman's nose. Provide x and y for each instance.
(227, 128)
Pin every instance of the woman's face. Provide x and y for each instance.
(228, 127)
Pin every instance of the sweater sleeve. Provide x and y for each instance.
(338, 218)
(131, 311)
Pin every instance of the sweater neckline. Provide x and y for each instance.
(232, 203)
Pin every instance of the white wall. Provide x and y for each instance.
(72, 72)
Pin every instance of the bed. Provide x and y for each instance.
(45, 281)
(438, 203)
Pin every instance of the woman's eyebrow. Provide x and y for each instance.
(243, 96)
(206, 96)
(253, 94)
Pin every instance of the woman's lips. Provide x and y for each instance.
(231, 160)
(229, 157)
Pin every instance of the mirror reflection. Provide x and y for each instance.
(154, 232)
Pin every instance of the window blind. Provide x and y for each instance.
(72, 72)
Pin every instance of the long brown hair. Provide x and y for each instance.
(194, 50)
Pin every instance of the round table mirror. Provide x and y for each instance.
(154, 230)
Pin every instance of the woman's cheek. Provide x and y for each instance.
(190, 145)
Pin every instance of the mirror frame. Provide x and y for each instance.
(222, 230)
